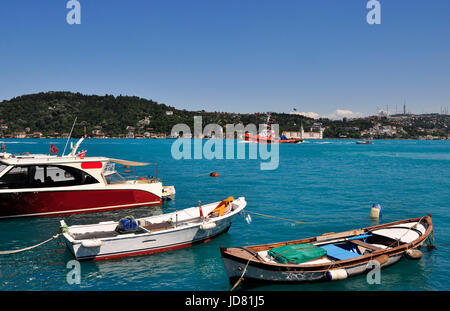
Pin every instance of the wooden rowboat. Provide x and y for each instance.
(332, 256)
(152, 234)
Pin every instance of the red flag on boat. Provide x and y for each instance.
(53, 149)
(200, 207)
(3, 147)
(82, 155)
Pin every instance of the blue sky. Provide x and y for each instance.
(244, 56)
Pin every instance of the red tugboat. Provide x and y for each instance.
(268, 136)
(49, 185)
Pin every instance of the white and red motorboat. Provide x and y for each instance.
(49, 185)
(268, 136)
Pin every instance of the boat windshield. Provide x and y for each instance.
(118, 173)
(112, 177)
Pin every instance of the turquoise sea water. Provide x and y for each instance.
(329, 184)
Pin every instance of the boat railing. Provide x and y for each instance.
(144, 179)
(129, 175)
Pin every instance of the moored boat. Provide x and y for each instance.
(364, 142)
(179, 229)
(49, 185)
(331, 256)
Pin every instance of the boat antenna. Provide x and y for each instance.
(68, 138)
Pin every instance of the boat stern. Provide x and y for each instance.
(68, 239)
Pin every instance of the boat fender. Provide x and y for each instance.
(336, 274)
(413, 254)
(382, 259)
(207, 225)
(91, 243)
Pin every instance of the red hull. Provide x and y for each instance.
(269, 140)
(53, 203)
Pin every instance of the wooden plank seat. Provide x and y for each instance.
(159, 226)
(94, 235)
(365, 245)
(103, 234)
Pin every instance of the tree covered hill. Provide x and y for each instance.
(115, 116)
(56, 111)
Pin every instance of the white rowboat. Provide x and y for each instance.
(154, 234)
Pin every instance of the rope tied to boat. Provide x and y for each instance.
(270, 216)
(430, 241)
(29, 247)
(242, 276)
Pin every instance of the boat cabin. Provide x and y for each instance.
(42, 171)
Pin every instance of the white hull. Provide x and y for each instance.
(187, 229)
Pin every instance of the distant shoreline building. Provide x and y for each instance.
(315, 133)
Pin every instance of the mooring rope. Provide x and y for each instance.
(270, 216)
(28, 248)
(241, 278)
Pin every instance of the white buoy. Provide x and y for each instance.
(413, 254)
(207, 225)
(337, 274)
(91, 243)
(375, 212)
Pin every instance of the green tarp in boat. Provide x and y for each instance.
(297, 253)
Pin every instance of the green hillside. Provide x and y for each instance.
(53, 114)
(56, 111)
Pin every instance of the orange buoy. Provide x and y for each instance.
(214, 174)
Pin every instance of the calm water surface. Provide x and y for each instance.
(329, 184)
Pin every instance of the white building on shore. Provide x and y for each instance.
(316, 132)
